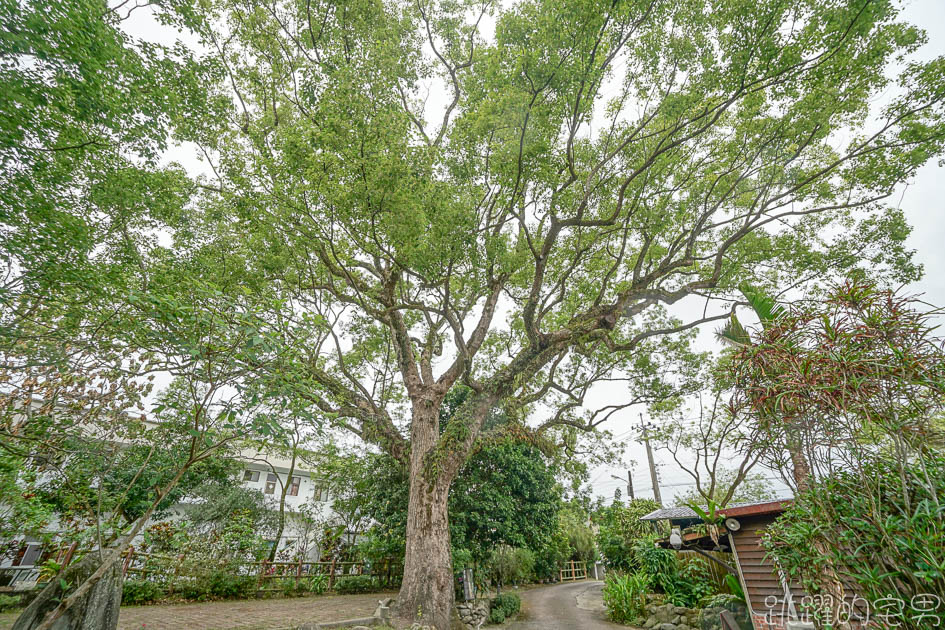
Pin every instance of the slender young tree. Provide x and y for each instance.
(508, 197)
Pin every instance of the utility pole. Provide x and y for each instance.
(649, 456)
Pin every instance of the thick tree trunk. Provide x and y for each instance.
(426, 594)
(98, 610)
(799, 464)
(833, 590)
(801, 470)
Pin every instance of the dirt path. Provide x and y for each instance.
(571, 606)
(251, 614)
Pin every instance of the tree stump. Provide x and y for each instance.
(97, 611)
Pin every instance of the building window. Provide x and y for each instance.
(251, 475)
(27, 555)
(294, 483)
(321, 494)
(271, 483)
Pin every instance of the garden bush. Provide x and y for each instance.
(620, 528)
(854, 516)
(687, 585)
(135, 592)
(193, 588)
(503, 607)
(511, 565)
(317, 583)
(625, 596)
(349, 584)
(227, 585)
(9, 602)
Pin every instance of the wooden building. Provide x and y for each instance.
(772, 600)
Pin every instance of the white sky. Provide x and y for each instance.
(922, 199)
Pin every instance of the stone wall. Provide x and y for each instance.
(670, 617)
(473, 614)
(661, 616)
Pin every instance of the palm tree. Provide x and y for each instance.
(733, 333)
(765, 307)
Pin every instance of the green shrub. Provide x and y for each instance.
(135, 592)
(691, 585)
(349, 584)
(620, 528)
(660, 564)
(552, 554)
(723, 600)
(9, 602)
(511, 565)
(625, 596)
(885, 535)
(194, 589)
(317, 583)
(291, 587)
(226, 585)
(685, 585)
(503, 607)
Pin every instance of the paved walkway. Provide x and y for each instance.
(569, 606)
(252, 614)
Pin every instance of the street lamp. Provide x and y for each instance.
(629, 481)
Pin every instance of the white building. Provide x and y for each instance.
(263, 471)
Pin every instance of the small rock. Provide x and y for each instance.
(667, 626)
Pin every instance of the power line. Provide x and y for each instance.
(686, 483)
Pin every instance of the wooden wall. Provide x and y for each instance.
(764, 589)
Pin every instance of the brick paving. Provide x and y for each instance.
(252, 614)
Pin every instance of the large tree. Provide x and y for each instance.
(436, 202)
(504, 197)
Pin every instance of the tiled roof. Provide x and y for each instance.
(670, 513)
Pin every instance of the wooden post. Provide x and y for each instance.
(262, 571)
(124, 567)
(69, 554)
(180, 561)
(298, 574)
(331, 574)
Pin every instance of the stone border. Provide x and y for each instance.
(381, 615)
